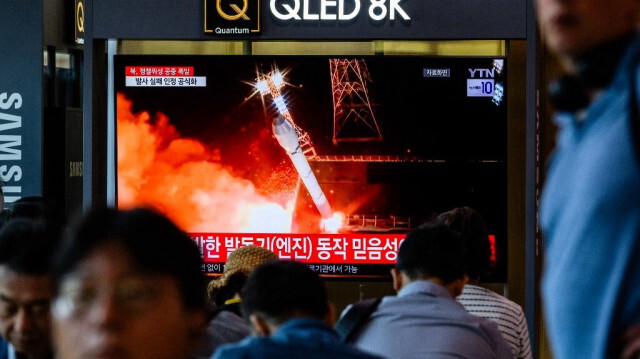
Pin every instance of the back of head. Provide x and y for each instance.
(471, 227)
(431, 250)
(34, 207)
(27, 246)
(154, 243)
(279, 291)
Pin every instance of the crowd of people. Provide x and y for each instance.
(128, 284)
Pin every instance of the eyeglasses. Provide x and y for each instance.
(76, 297)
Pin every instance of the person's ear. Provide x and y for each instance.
(329, 318)
(397, 279)
(259, 325)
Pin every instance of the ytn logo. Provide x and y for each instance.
(482, 73)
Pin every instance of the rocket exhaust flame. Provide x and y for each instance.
(334, 223)
(185, 179)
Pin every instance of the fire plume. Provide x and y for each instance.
(185, 179)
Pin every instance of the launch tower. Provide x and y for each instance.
(353, 115)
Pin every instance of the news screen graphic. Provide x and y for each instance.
(328, 160)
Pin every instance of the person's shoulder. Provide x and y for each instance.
(238, 350)
(475, 296)
(4, 349)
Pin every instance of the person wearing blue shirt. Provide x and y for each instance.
(287, 306)
(590, 205)
(4, 349)
(424, 320)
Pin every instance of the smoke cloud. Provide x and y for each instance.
(186, 180)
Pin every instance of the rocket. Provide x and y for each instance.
(288, 139)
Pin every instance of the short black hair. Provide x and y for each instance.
(472, 228)
(279, 291)
(35, 207)
(431, 250)
(27, 246)
(154, 242)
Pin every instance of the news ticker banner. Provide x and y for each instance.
(331, 255)
(162, 76)
(360, 255)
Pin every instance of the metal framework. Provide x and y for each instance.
(353, 115)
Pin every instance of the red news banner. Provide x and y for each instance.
(309, 248)
(158, 70)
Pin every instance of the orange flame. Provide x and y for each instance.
(184, 179)
(333, 224)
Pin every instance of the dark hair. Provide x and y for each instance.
(27, 246)
(154, 243)
(472, 228)
(35, 207)
(278, 291)
(431, 250)
(234, 286)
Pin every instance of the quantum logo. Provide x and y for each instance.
(232, 17)
(79, 23)
(240, 13)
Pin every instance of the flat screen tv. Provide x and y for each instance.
(328, 160)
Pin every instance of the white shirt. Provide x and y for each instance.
(507, 314)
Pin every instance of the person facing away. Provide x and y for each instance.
(423, 320)
(26, 248)
(224, 291)
(227, 324)
(590, 203)
(472, 228)
(288, 308)
(127, 284)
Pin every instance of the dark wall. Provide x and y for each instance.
(56, 17)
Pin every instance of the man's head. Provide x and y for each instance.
(127, 284)
(471, 227)
(431, 252)
(26, 248)
(34, 207)
(572, 27)
(276, 292)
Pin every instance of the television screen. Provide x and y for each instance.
(328, 160)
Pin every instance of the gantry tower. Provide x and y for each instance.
(353, 115)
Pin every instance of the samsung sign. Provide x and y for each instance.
(21, 99)
(336, 10)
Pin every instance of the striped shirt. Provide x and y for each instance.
(507, 314)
